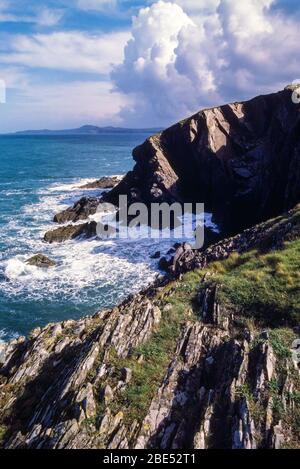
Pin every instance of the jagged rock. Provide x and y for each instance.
(2, 353)
(53, 379)
(64, 233)
(214, 386)
(278, 436)
(156, 255)
(108, 394)
(39, 260)
(126, 375)
(86, 398)
(270, 362)
(106, 182)
(164, 264)
(243, 162)
(81, 210)
(264, 237)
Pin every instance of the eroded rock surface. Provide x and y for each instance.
(242, 160)
(106, 182)
(63, 233)
(168, 369)
(81, 210)
(40, 260)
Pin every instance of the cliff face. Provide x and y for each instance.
(208, 359)
(242, 160)
(204, 361)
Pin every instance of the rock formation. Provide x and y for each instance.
(204, 358)
(106, 182)
(173, 367)
(242, 160)
(81, 210)
(40, 260)
(63, 233)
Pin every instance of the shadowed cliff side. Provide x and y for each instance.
(242, 160)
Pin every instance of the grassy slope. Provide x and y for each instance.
(263, 292)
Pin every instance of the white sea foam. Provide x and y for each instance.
(104, 270)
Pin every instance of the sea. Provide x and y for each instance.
(40, 176)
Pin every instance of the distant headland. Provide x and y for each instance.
(84, 130)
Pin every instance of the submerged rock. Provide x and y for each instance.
(39, 260)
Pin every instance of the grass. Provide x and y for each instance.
(157, 352)
(3, 430)
(262, 287)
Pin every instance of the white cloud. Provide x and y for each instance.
(223, 50)
(96, 5)
(70, 51)
(14, 77)
(44, 16)
(48, 17)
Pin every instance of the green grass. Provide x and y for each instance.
(3, 430)
(263, 287)
(157, 352)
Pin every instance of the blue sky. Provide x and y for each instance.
(139, 63)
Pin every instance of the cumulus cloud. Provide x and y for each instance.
(218, 50)
(70, 51)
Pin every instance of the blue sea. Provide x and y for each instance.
(40, 176)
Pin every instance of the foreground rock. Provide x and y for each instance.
(39, 260)
(86, 206)
(242, 160)
(103, 183)
(64, 233)
(81, 210)
(265, 237)
(173, 367)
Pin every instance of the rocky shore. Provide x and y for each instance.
(207, 356)
(175, 366)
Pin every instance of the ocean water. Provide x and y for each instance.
(39, 176)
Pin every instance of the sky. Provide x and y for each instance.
(139, 63)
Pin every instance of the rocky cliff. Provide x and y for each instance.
(203, 361)
(206, 358)
(242, 160)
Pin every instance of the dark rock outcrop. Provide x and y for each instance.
(86, 206)
(242, 160)
(81, 210)
(106, 182)
(63, 233)
(265, 237)
(39, 260)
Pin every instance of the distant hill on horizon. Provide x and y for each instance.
(84, 130)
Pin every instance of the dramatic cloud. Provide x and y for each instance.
(70, 51)
(221, 50)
